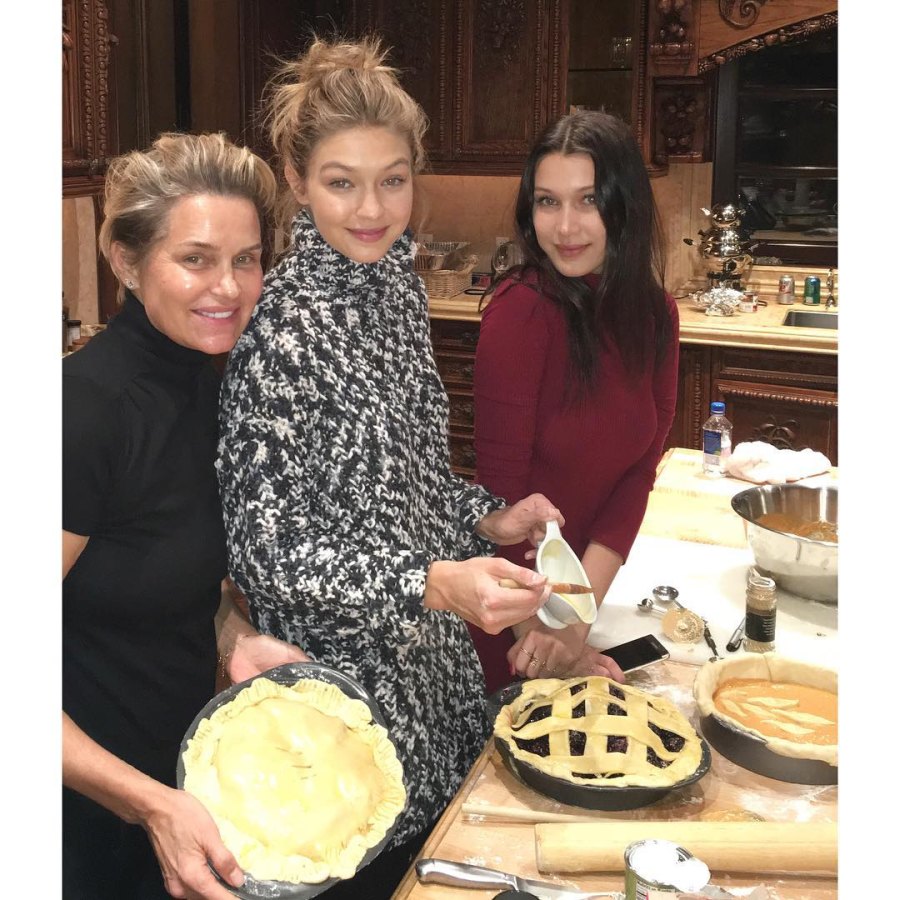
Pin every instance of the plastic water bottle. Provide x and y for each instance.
(716, 440)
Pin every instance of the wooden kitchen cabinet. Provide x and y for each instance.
(89, 119)
(785, 398)
(89, 136)
(488, 73)
(454, 345)
(692, 407)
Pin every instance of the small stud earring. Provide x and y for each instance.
(129, 284)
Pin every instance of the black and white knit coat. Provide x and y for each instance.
(337, 494)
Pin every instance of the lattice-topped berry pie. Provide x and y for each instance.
(594, 731)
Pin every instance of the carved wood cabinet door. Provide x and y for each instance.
(488, 73)
(89, 121)
(420, 35)
(786, 398)
(509, 78)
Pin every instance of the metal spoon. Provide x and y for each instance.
(648, 606)
(666, 594)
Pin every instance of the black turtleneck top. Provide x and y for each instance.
(139, 443)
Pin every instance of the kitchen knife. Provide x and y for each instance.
(557, 587)
(464, 875)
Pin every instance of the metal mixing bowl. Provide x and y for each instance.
(803, 566)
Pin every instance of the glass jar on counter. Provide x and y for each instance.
(73, 331)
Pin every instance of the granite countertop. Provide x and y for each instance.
(763, 329)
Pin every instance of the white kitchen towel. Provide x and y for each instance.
(762, 463)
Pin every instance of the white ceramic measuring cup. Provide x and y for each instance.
(559, 562)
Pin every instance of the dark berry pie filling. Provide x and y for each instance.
(616, 734)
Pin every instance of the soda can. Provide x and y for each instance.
(786, 290)
(812, 287)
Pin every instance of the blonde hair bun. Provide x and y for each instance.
(335, 85)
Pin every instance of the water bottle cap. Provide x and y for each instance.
(717, 407)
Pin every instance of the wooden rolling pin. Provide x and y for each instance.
(801, 848)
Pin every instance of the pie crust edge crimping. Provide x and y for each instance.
(769, 667)
(253, 856)
(641, 707)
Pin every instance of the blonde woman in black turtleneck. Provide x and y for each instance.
(143, 546)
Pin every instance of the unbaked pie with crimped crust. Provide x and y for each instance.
(593, 731)
(300, 781)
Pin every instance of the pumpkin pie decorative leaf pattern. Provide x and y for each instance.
(788, 704)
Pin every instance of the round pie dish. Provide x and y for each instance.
(288, 675)
(587, 796)
(790, 761)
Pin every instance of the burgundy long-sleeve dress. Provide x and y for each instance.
(594, 458)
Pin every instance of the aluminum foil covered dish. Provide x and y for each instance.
(718, 301)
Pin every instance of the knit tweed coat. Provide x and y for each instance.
(337, 493)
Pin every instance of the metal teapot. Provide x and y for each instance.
(725, 246)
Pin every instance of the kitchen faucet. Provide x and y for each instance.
(829, 283)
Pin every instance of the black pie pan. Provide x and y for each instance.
(753, 753)
(290, 674)
(588, 796)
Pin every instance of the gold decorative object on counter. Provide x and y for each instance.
(727, 253)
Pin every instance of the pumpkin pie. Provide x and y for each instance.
(788, 704)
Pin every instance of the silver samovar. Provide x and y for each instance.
(728, 253)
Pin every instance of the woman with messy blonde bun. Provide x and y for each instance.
(146, 608)
(346, 529)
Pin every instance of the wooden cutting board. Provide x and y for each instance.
(726, 789)
(471, 831)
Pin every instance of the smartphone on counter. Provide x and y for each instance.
(638, 654)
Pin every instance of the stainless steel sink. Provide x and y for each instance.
(803, 319)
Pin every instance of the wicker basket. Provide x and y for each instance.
(442, 284)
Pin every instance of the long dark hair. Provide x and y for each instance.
(627, 307)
